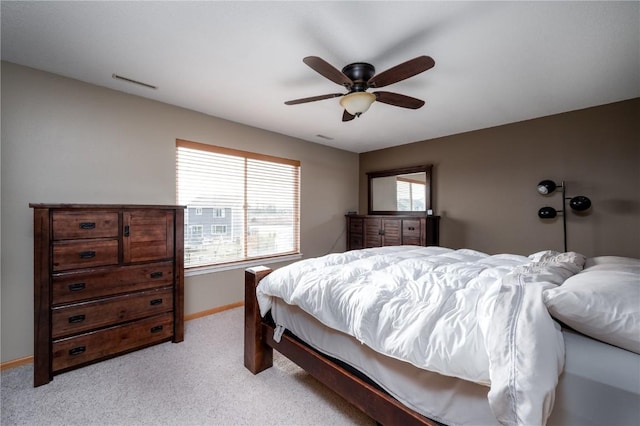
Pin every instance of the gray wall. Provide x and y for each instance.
(64, 141)
(485, 181)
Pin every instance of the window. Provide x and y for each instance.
(248, 203)
(410, 195)
(219, 229)
(195, 232)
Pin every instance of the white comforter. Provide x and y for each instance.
(460, 313)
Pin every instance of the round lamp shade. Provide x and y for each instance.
(357, 102)
(580, 203)
(547, 213)
(546, 187)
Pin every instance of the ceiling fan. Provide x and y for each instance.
(360, 76)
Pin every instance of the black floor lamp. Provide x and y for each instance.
(579, 203)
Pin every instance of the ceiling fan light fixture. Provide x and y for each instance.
(357, 102)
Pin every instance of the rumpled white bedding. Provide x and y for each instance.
(460, 313)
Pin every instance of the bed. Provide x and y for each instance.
(431, 335)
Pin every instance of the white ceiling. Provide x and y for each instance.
(496, 62)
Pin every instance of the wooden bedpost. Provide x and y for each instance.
(258, 356)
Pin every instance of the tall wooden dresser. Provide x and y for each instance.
(365, 231)
(108, 279)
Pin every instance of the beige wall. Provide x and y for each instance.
(485, 181)
(67, 141)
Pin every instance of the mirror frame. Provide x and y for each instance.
(401, 171)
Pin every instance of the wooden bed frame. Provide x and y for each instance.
(258, 356)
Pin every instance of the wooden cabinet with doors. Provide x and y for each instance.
(365, 231)
(108, 279)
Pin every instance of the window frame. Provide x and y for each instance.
(214, 229)
(245, 261)
(414, 187)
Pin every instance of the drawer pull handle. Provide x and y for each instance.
(87, 254)
(411, 228)
(77, 286)
(156, 329)
(88, 225)
(76, 319)
(126, 231)
(77, 351)
(156, 275)
(155, 302)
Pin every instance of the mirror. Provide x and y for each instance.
(405, 191)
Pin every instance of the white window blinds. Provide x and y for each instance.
(254, 197)
(410, 195)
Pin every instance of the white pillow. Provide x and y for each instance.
(611, 261)
(602, 301)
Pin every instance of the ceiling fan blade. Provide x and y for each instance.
(402, 71)
(327, 70)
(313, 99)
(346, 116)
(398, 100)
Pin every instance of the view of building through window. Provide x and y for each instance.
(240, 205)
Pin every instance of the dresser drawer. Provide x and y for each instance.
(411, 241)
(411, 232)
(73, 287)
(411, 228)
(69, 225)
(92, 346)
(356, 226)
(86, 316)
(84, 254)
(356, 242)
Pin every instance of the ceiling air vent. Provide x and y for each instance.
(129, 80)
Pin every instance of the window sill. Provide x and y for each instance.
(239, 265)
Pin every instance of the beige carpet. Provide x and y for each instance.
(200, 381)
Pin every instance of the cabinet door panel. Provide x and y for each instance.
(372, 232)
(392, 232)
(147, 235)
